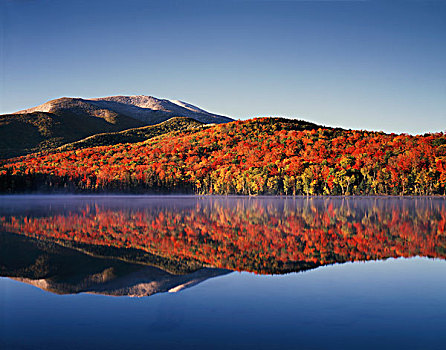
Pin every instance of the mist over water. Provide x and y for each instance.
(259, 234)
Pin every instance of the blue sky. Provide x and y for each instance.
(378, 65)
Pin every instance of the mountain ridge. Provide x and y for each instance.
(147, 109)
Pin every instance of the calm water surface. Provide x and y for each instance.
(222, 272)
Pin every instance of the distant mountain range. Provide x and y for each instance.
(66, 120)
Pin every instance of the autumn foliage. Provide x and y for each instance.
(259, 156)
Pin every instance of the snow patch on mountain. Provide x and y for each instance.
(188, 106)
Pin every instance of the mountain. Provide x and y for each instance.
(66, 120)
(147, 109)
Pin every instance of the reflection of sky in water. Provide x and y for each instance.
(388, 304)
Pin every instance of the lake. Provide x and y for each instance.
(188, 272)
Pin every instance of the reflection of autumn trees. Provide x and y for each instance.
(252, 236)
(262, 156)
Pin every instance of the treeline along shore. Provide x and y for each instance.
(259, 156)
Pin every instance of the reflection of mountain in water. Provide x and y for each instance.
(62, 270)
(263, 235)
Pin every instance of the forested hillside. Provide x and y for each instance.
(25, 133)
(259, 156)
(134, 135)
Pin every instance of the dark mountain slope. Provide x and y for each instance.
(32, 132)
(134, 135)
(63, 270)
